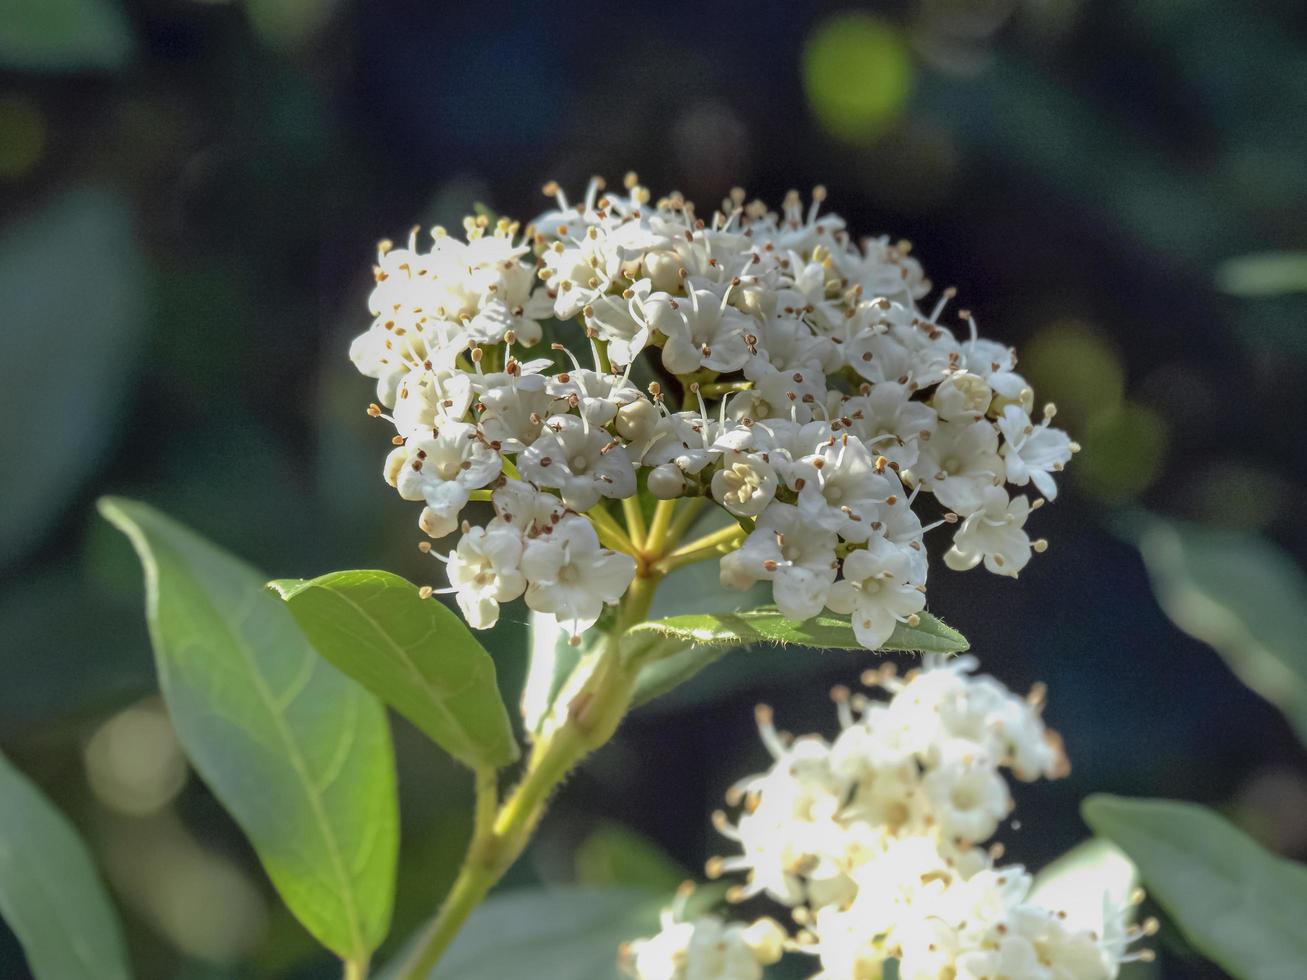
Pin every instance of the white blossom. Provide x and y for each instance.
(880, 589)
(485, 571)
(581, 460)
(571, 576)
(1033, 452)
(798, 380)
(705, 948)
(876, 840)
(797, 559)
(993, 533)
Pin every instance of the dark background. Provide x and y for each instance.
(191, 195)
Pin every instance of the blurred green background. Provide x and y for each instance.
(191, 193)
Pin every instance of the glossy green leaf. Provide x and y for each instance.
(50, 894)
(555, 663)
(72, 278)
(1237, 904)
(1244, 597)
(675, 649)
(297, 752)
(614, 856)
(63, 35)
(413, 653)
(568, 933)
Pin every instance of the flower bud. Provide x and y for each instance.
(766, 940)
(1025, 398)
(436, 525)
(664, 269)
(666, 481)
(636, 421)
(960, 395)
(395, 461)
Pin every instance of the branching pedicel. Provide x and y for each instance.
(813, 399)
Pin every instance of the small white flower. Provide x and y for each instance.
(443, 469)
(484, 568)
(686, 439)
(616, 320)
(842, 489)
(887, 419)
(962, 397)
(427, 399)
(959, 464)
(706, 949)
(702, 331)
(993, 533)
(879, 590)
(513, 412)
(784, 343)
(797, 559)
(596, 396)
(745, 484)
(581, 460)
(967, 796)
(1033, 452)
(571, 576)
(527, 509)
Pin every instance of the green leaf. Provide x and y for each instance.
(71, 279)
(1264, 274)
(675, 649)
(413, 653)
(298, 753)
(50, 893)
(550, 662)
(63, 35)
(616, 856)
(1244, 597)
(548, 934)
(1236, 903)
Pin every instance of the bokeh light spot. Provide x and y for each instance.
(133, 761)
(857, 75)
(22, 135)
(1124, 450)
(1075, 365)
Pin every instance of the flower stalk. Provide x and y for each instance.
(501, 833)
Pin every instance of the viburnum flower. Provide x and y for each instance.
(874, 843)
(705, 948)
(571, 576)
(763, 361)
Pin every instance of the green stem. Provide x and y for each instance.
(719, 388)
(686, 512)
(708, 546)
(634, 520)
(500, 837)
(356, 970)
(656, 541)
(610, 532)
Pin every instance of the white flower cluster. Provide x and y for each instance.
(814, 400)
(705, 948)
(873, 840)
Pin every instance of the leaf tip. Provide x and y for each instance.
(284, 588)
